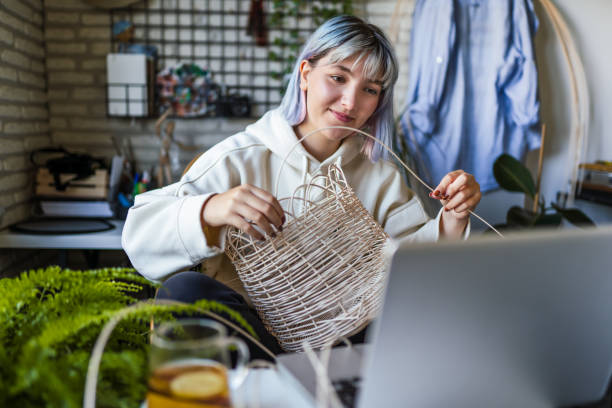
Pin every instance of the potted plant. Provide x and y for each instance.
(50, 319)
(512, 175)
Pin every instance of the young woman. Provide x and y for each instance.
(344, 76)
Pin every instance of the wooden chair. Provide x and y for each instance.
(197, 156)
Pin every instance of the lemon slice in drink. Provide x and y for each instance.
(198, 384)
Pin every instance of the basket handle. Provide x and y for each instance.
(354, 130)
(307, 193)
(380, 143)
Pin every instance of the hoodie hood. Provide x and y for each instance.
(276, 134)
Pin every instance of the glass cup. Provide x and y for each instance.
(189, 362)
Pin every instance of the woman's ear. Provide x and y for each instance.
(305, 69)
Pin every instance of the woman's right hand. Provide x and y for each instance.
(242, 204)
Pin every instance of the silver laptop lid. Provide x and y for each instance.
(524, 321)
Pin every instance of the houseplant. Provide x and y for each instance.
(512, 175)
(51, 319)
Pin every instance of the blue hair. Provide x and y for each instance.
(343, 37)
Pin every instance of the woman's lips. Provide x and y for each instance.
(341, 116)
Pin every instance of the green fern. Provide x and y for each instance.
(50, 319)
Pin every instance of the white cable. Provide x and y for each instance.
(325, 392)
(89, 396)
(346, 341)
(383, 145)
(255, 399)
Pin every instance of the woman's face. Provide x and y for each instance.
(337, 94)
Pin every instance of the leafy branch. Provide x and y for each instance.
(287, 44)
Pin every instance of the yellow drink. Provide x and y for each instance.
(193, 383)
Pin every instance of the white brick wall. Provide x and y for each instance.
(65, 66)
(380, 12)
(24, 117)
(77, 40)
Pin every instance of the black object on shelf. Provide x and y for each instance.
(61, 225)
(237, 106)
(596, 195)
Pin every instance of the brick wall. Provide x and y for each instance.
(24, 117)
(380, 12)
(52, 91)
(77, 40)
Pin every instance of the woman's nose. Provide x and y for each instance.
(349, 98)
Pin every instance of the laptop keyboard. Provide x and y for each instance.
(346, 389)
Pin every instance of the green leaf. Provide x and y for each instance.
(549, 220)
(285, 12)
(512, 175)
(520, 217)
(575, 216)
(60, 315)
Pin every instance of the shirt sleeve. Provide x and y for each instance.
(518, 77)
(429, 54)
(162, 233)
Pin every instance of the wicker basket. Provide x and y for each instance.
(323, 276)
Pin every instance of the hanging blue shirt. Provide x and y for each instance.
(473, 91)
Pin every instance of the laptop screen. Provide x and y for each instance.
(521, 321)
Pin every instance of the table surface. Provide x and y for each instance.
(110, 239)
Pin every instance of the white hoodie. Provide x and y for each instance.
(163, 234)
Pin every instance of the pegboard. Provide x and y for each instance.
(213, 35)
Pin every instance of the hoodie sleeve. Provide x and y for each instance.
(398, 210)
(162, 233)
(401, 213)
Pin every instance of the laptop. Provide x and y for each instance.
(524, 321)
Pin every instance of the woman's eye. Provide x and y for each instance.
(337, 78)
(371, 91)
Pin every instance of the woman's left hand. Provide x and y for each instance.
(459, 192)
